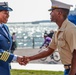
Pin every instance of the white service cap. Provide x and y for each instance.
(57, 4)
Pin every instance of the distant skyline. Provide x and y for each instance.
(31, 10)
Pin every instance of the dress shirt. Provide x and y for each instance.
(4, 29)
(14, 58)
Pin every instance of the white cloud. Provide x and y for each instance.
(29, 10)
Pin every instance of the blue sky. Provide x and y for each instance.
(32, 10)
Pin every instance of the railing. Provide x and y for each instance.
(30, 42)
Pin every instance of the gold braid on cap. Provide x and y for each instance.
(54, 7)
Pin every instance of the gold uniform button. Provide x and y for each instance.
(8, 42)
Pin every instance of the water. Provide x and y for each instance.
(31, 34)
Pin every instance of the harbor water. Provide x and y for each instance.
(30, 34)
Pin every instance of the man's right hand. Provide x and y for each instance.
(20, 60)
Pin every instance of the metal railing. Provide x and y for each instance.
(30, 42)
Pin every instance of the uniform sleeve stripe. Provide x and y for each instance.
(5, 56)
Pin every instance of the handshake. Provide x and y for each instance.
(23, 60)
